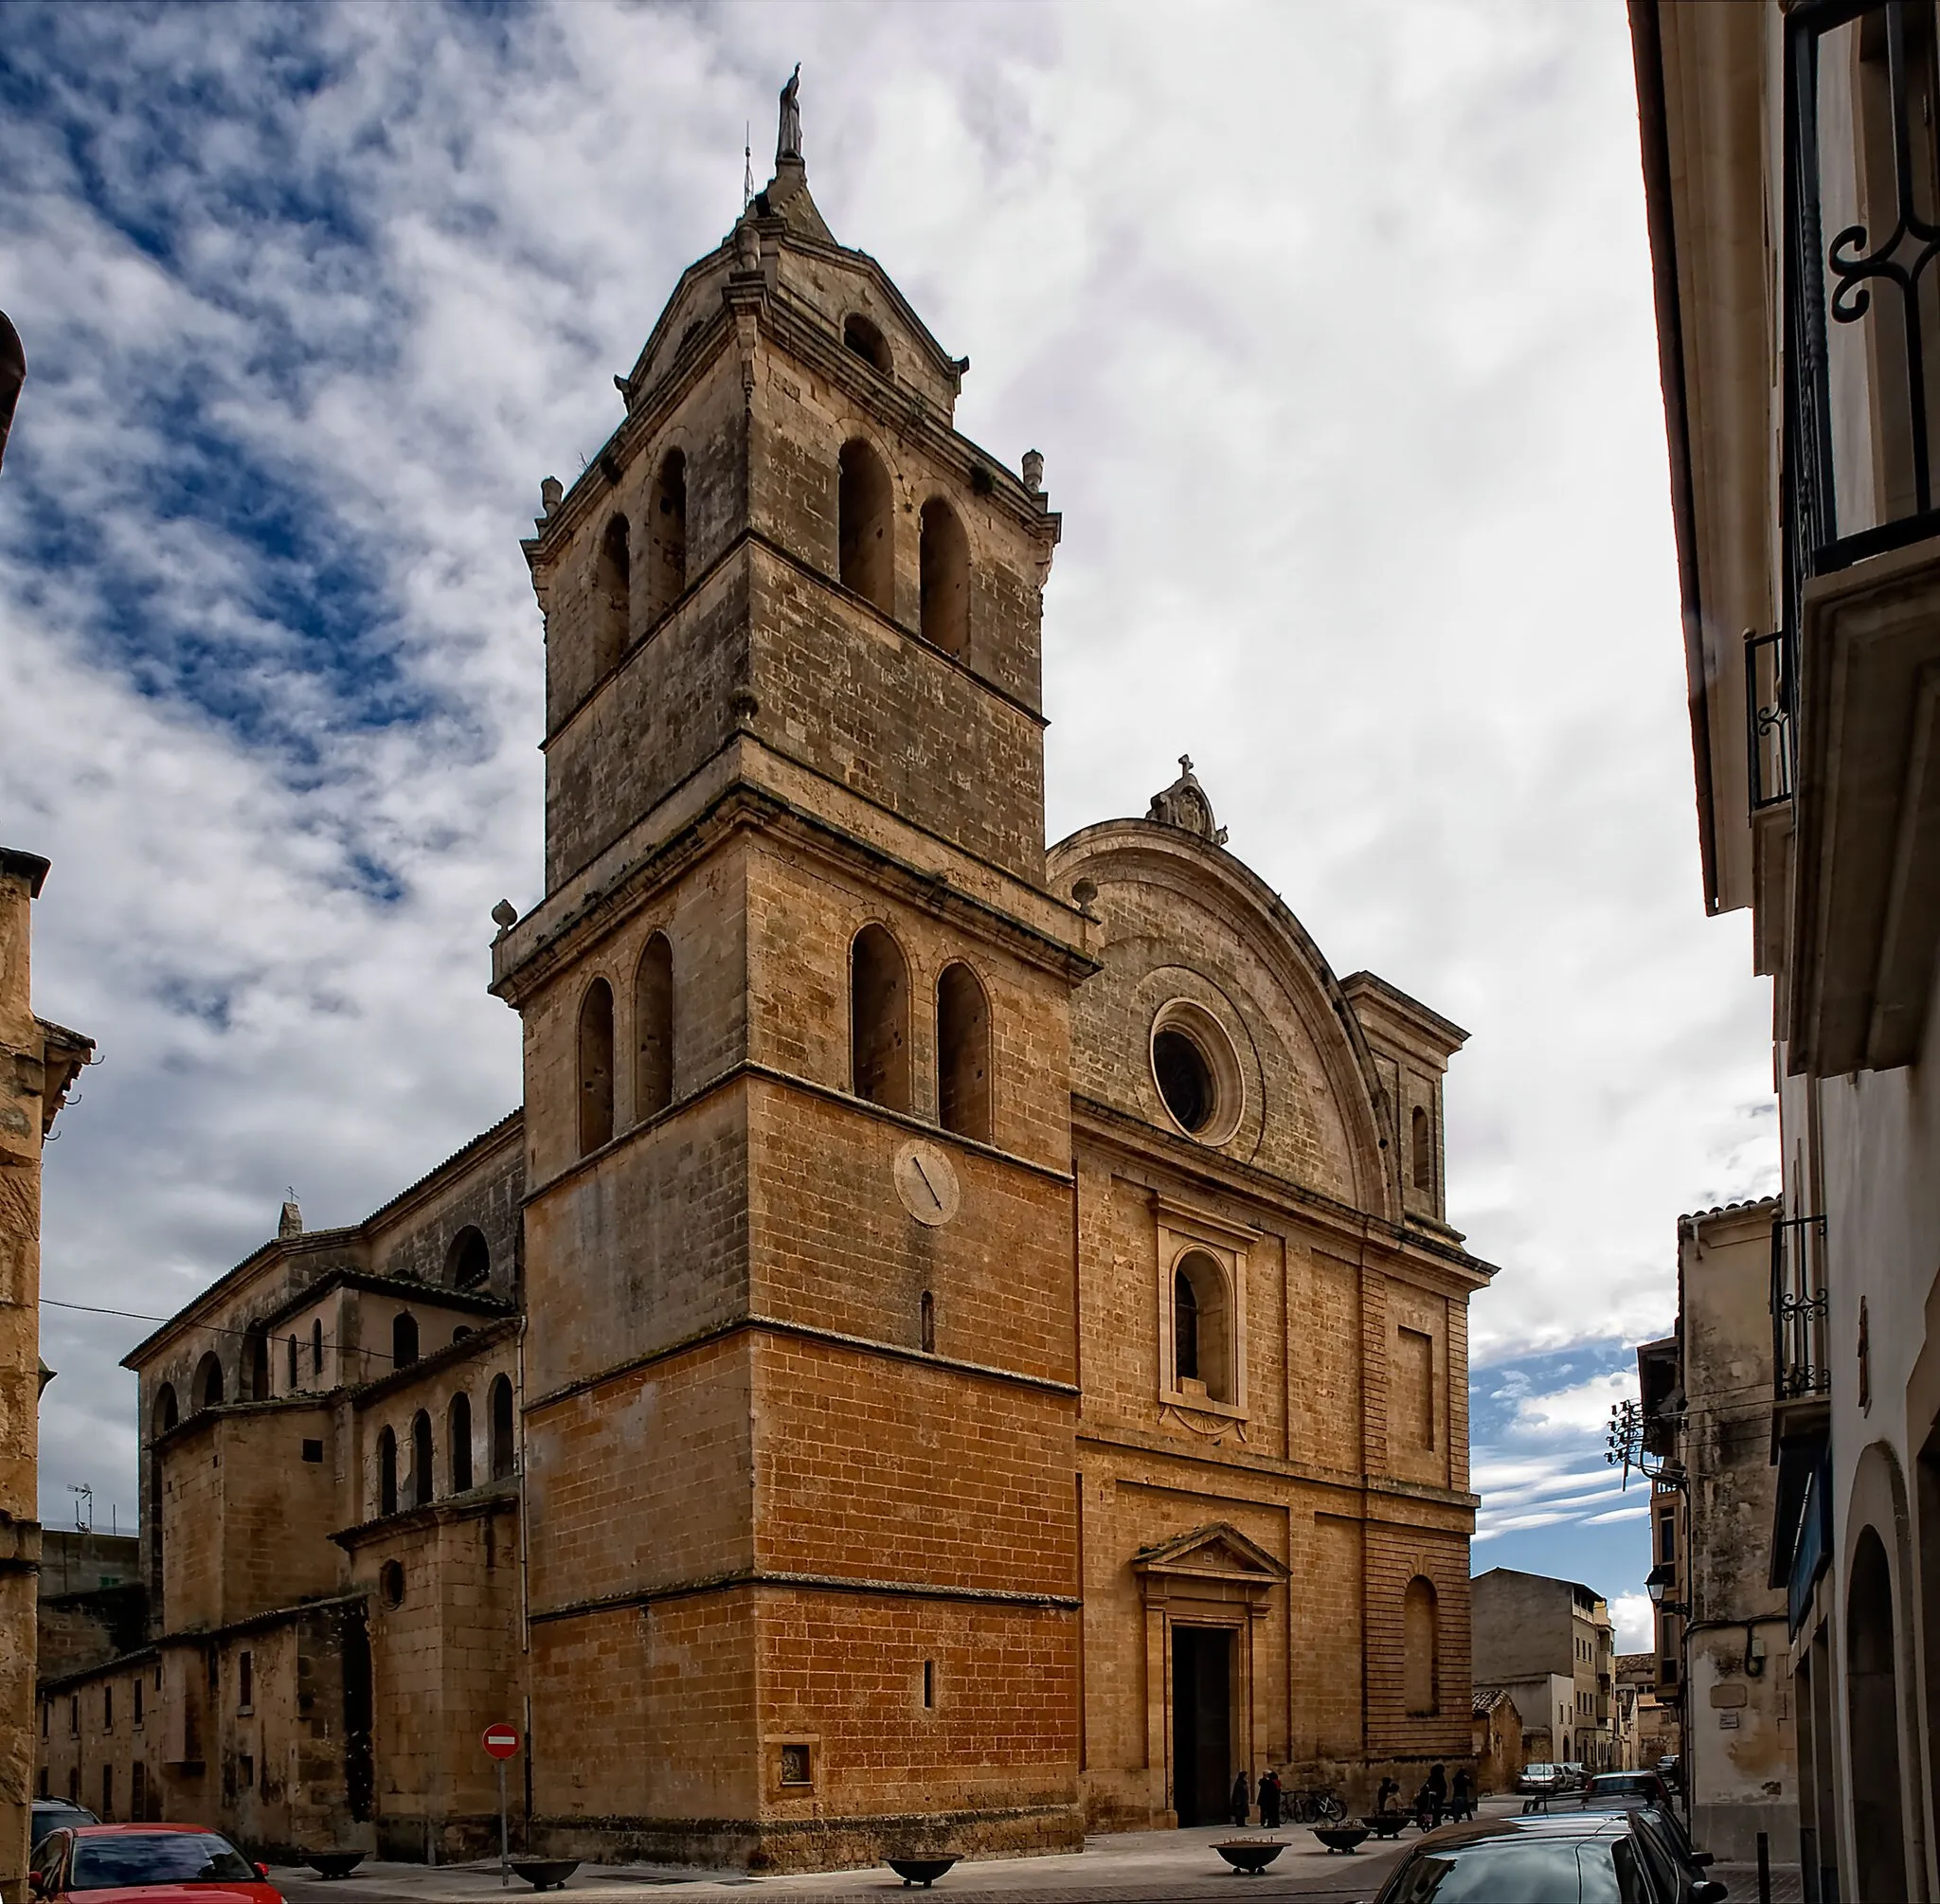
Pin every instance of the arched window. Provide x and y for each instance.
(1421, 1672)
(316, 1348)
(503, 1451)
(387, 1471)
(208, 1382)
(457, 1431)
(1201, 1326)
(945, 564)
(865, 520)
(962, 1053)
(421, 1459)
(257, 1346)
(290, 1363)
(1873, 1723)
(667, 531)
(1423, 1146)
(613, 596)
(866, 339)
(403, 1340)
(928, 1323)
(652, 1029)
(167, 1412)
(468, 1262)
(596, 1067)
(879, 1019)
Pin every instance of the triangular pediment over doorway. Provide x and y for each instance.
(1214, 1552)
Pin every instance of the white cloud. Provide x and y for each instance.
(1335, 327)
(1582, 1409)
(1632, 1621)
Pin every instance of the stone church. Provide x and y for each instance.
(961, 1342)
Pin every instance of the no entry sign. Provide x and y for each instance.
(501, 1741)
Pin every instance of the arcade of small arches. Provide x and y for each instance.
(415, 1482)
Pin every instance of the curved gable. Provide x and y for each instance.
(1185, 922)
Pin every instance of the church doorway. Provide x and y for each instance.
(1201, 1723)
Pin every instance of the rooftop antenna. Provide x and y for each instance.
(84, 1506)
(746, 163)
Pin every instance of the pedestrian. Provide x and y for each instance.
(1242, 1801)
(1270, 1798)
(1463, 1805)
(1389, 1791)
(1436, 1792)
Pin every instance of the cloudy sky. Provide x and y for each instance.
(1333, 326)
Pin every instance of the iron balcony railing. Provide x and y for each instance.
(1799, 1307)
(1770, 741)
(1861, 288)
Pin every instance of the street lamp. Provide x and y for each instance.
(1661, 1576)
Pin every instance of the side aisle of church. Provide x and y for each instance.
(960, 1344)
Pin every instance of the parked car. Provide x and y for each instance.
(50, 1814)
(148, 1864)
(1611, 1857)
(1631, 1788)
(1576, 1774)
(1540, 1778)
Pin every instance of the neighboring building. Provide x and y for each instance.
(958, 1341)
(1791, 172)
(92, 1606)
(1546, 1643)
(1652, 1726)
(1496, 1743)
(39, 1062)
(1707, 1416)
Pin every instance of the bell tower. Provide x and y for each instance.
(799, 1386)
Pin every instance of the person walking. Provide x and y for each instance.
(1436, 1792)
(1270, 1798)
(1242, 1801)
(1462, 1804)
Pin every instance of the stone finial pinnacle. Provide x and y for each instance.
(788, 134)
(291, 1222)
(1184, 805)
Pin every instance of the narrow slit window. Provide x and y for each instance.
(387, 1471)
(504, 1452)
(1422, 1136)
(421, 1459)
(458, 1428)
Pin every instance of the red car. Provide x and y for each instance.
(166, 1863)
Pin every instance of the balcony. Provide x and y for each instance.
(1799, 1306)
(1852, 687)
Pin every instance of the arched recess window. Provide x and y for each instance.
(1421, 1676)
(1422, 1144)
(596, 1067)
(421, 1459)
(613, 595)
(945, 565)
(457, 1432)
(667, 531)
(387, 1471)
(865, 524)
(208, 1382)
(316, 1348)
(504, 1458)
(1201, 1326)
(962, 1053)
(403, 1340)
(866, 339)
(468, 1262)
(1872, 1721)
(653, 1027)
(167, 1412)
(927, 1323)
(258, 1346)
(879, 1019)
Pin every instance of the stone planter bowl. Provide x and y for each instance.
(332, 1863)
(1249, 1856)
(1342, 1836)
(546, 1873)
(1385, 1824)
(922, 1870)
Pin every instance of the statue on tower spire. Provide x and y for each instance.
(788, 138)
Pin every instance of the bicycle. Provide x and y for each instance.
(1312, 1805)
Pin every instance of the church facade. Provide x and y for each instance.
(961, 1342)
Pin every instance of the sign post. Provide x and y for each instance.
(502, 1742)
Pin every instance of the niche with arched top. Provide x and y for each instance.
(879, 1019)
(504, 1446)
(866, 525)
(1202, 1334)
(1422, 1148)
(1421, 1682)
(168, 1412)
(468, 1262)
(208, 1382)
(1872, 1721)
(596, 1067)
(653, 1023)
(962, 1052)
(612, 594)
(667, 530)
(943, 566)
(864, 336)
